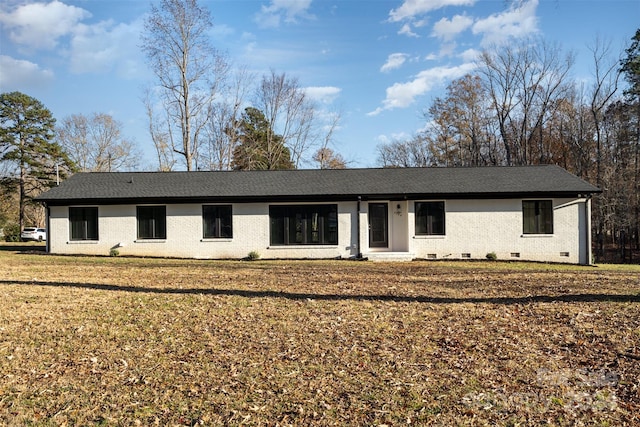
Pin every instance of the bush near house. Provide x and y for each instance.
(11, 232)
(126, 341)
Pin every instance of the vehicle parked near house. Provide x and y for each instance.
(34, 234)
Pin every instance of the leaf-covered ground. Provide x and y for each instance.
(115, 341)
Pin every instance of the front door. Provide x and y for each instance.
(378, 225)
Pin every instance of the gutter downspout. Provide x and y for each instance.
(48, 214)
(358, 252)
(587, 214)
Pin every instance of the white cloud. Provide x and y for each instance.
(518, 21)
(106, 47)
(412, 8)
(221, 31)
(407, 31)
(18, 74)
(97, 48)
(447, 30)
(395, 60)
(40, 25)
(402, 95)
(323, 94)
(470, 55)
(289, 10)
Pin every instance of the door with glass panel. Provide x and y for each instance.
(378, 225)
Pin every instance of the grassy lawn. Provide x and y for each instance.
(126, 341)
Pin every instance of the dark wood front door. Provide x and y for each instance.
(378, 225)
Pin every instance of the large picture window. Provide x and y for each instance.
(429, 218)
(537, 217)
(152, 222)
(304, 225)
(216, 222)
(83, 223)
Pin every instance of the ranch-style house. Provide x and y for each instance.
(537, 213)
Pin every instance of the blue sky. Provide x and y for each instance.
(379, 63)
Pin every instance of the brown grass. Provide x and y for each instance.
(116, 341)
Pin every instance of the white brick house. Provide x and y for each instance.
(539, 213)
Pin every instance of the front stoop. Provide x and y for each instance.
(389, 256)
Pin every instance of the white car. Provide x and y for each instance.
(35, 234)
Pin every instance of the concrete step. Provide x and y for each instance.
(389, 256)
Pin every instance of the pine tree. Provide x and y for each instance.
(259, 147)
(26, 145)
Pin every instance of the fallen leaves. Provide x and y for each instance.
(180, 342)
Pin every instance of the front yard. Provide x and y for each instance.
(126, 341)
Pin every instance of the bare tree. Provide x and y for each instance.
(328, 159)
(458, 131)
(290, 113)
(159, 130)
(222, 127)
(96, 144)
(604, 87)
(568, 134)
(325, 156)
(413, 152)
(522, 82)
(188, 69)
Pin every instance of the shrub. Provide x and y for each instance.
(491, 256)
(114, 252)
(12, 232)
(253, 255)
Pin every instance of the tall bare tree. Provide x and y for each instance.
(459, 128)
(95, 143)
(159, 131)
(523, 81)
(413, 152)
(188, 70)
(603, 89)
(225, 115)
(290, 113)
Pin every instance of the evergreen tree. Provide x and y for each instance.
(259, 148)
(630, 66)
(27, 147)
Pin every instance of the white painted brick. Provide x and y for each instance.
(476, 227)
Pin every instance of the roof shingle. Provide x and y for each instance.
(316, 184)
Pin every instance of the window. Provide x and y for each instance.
(304, 225)
(83, 223)
(537, 217)
(216, 222)
(152, 222)
(430, 218)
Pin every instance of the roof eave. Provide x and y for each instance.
(312, 198)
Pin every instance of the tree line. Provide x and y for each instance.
(202, 115)
(521, 107)
(205, 114)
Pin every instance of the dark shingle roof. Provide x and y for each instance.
(299, 185)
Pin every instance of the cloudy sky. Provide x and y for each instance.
(379, 63)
